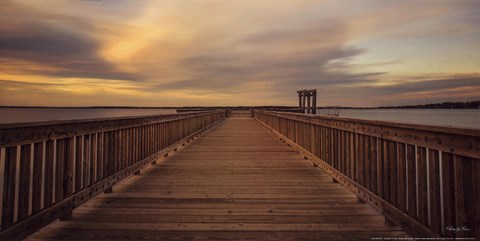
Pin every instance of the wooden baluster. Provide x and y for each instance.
(475, 197)
(38, 162)
(93, 158)
(331, 146)
(79, 163)
(142, 143)
(466, 196)
(422, 185)
(112, 153)
(412, 181)
(106, 153)
(24, 181)
(100, 155)
(128, 146)
(67, 185)
(322, 143)
(380, 168)
(374, 168)
(448, 188)
(393, 165)
(368, 163)
(9, 183)
(402, 176)
(341, 162)
(87, 139)
(49, 173)
(121, 150)
(59, 170)
(434, 191)
(137, 144)
(385, 150)
(115, 151)
(353, 164)
(357, 159)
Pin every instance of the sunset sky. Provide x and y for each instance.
(246, 52)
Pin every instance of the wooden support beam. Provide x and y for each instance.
(307, 101)
(300, 100)
(309, 107)
(304, 103)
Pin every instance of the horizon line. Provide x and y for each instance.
(241, 106)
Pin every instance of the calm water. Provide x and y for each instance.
(17, 115)
(441, 117)
(464, 118)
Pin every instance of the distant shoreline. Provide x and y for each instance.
(444, 105)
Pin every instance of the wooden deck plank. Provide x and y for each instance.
(237, 182)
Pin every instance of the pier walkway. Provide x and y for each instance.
(237, 181)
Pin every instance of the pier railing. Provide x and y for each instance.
(424, 179)
(239, 113)
(49, 168)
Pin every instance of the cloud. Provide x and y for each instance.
(54, 44)
(281, 59)
(428, 89)
(432, 85)
(233, 52)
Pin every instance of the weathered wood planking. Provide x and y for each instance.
(236, 182)
(52, 167)
(422, 177)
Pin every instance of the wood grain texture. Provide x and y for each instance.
(237, 182)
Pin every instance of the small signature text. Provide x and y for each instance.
(457, 229)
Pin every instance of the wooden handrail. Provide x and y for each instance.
(49, 168)
(21, 133)
(425, 179)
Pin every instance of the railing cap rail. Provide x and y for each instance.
(419, 127)
(104, 119)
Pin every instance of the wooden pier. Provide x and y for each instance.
(276, 176)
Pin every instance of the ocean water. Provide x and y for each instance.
(19, 115)
(461, 118)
